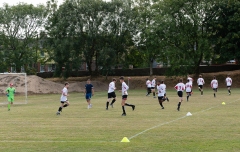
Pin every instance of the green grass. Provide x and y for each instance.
(36, 127)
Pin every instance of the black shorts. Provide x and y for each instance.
(189, 92)
(124, 97)
(152, 87)
(215, 89)
(160, 98)
(200, 86)
(149, 90)
(228, 86)
(63, 101)
(180, 94)
(111, 95)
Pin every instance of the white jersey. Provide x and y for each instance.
(153, 83)
(124, 88)
(200, 81)
(188, 87)
(111, 87)
(148, 83)
(161, 90)
(64, 94)
(190, 80)
(214, 84)
(228, 81)
(180, 87)
(165, 87)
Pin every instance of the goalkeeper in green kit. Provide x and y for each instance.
(10, 95)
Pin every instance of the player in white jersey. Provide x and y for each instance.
(161, 92)
(149, 86)
(153, 85)
(64, 101)
(200, 83)
(111, 93)
(229, 84)
(214, 85)
(188, 87)
(180, 87)
(165, 94)
(124, 96)
(190, 79)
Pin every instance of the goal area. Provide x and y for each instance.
(19, 81)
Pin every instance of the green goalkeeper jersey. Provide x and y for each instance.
(10, 91)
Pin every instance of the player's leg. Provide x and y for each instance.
(60, 108)
(201, 90)
(214, 92)
(153, 91)
(188, 94)
(180, 95)
(10, 102)
(66, 104)
(108, 100)
(160, 100)
(148, 91)
(114, 99)
(123, 105)
(88, 99)
(229, 90)
(165, 97)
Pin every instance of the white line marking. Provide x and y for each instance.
(51, 141)
(176, 120)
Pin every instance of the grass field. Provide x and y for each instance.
(36, 127)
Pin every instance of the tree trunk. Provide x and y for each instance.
(151, 68)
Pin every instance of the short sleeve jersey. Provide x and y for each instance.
(190, 80)
(188, 87)
(64, 93)
(148, 83)
(111, 87)
(161, 90)
(88, 88)
(214, 84)
(10, 91)
(228, 81)
(124, 88)
(200, 81)
(153, 83)
(180, 87)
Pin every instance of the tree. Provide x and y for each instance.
(182, 26)
(225, 30)
(20, 26)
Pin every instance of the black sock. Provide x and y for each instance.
(179, 104)
(123, 108)
(154, 94)
(107, 104)
(187, 97)
(60, 109)
(113, 101)
(126, 104)
(214, 95)
(65, 105)
(201, 92)
(161, 104)
(229, 91)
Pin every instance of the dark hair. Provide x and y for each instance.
(162, 81)
(214, 77)
(180, 80)
(200, 75)
(66, 83)
(187, 80)
(147, 79)
(121, 78)
(113, 79)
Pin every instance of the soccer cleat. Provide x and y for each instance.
(124, 114)
(162, 107)
(58, 113)
(133, 107)
(167, 99)
(178, 108)
(106, 108)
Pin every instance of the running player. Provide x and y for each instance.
(214, 85)
(111, 93)
(165, 94)
(229, 84)
(161, 91)
(64, 101)
(124, 96)
(200, 83)
(190, 81)
(153, 86)
(10, 95)
(149, 86)
(89, 92)
(188, 89)
(180, 87)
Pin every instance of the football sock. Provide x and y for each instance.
(179, 104)
(229, 91)
(65, 105)
(160, 103)
(123, 108)
(187, 97)
(60, 109)
(126, 104)
(154, 94)
(201, 92)
(9, 105)
(214, 95)
(113, 101)
(107, 103)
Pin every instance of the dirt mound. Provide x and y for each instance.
(37, 85)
